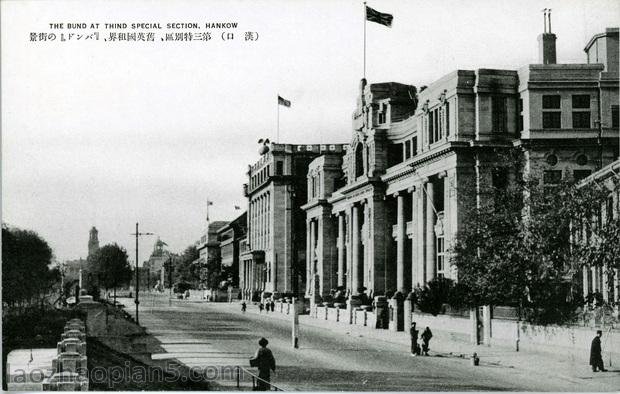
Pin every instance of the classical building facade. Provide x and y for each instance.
(603, 280)
(418, 160)
(275, 249)
(229, 237)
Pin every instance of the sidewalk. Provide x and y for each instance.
(574, 369)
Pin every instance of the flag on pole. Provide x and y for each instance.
(381, 18)
(284, 102)
(237, 207)
(209, 202)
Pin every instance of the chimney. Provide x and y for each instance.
(546, 41)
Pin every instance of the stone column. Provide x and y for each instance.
(595, 284)
(341, 256)
(400, 241)
(355, 250)
(308, 257)
(430, 233)
(312, 256)
(605, 283)
(414, 237)
(616, 286)
(420, 263)
(585, 282)
(486, 321)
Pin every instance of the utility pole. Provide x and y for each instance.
(137, 301)
(170, 279)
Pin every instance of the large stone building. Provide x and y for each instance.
(230, 237)
(275, 250)
(602, 279)
(418, 159)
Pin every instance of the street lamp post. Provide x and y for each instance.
(137, 301)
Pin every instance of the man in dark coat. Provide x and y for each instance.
(596, 358)
(414, 340)
(265, 362)
(426, 338)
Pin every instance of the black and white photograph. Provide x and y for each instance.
(312, 195)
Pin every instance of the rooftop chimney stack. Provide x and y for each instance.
(546, 41)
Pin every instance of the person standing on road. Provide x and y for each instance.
(414, 340)
(426, 338)
(272, 305)
(244, 306)
(596, 357)
(265, 362)
(260, 307)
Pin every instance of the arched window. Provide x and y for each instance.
(359, 160)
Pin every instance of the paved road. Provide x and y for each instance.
(203, 334)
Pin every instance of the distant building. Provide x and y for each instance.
(93, 241)
(209, 247)
(72, 268)
(229, 237)
(156, 264)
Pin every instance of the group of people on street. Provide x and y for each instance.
(265, 361)
(267, 305)
(416, 349)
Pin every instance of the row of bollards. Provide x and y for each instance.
(69, 369)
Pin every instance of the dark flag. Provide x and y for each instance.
(378, 17)
(284, 102)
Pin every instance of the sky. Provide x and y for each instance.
(108, 134)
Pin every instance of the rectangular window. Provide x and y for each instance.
(498, 112)
(279, 168)
(381, 117)
(552, 177)
(520, 118)
(414, 145)
(552, 120)
(581, 101)
(407, 150)
(615, 117)
(431, 127)
(580, 174)
(441, 256)
(581, 120)
(551, 101)
(447, 116)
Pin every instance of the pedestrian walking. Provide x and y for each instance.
(596, 353)
(426, 338)
(260, 307)
(244, 307)
(415, 350)
(265, 362)
(266, 306)
(272, 305)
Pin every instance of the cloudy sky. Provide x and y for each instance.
(113, 133)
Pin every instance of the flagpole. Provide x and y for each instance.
(278, 123)
(365, 40)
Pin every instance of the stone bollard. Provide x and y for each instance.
(70, 362)
(74, 334)
(352, 303)
(407, 310)
(381, 312)
(72, 345)
(65, 381)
